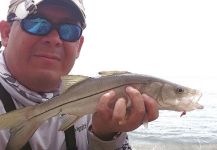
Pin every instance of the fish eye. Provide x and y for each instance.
(179, 90)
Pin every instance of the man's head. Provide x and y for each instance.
(43, 44)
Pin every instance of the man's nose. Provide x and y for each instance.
(53, 38)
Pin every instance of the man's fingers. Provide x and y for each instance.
(119, 111)
(137, 109)
(102, 106)
(150, 107)
(136, 99)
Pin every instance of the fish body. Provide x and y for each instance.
(81, 98)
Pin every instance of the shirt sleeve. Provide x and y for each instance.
(119, 143)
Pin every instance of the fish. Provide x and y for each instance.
(80, 95)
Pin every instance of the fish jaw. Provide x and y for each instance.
(190, 103)
(182, 104)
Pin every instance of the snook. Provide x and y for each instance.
(82, 96)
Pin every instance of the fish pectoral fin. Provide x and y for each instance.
(108, 73)
(21, 133)
(68, 121)
(70, 80)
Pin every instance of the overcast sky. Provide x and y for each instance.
(163, 38)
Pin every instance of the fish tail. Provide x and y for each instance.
(11, 119)
(22, 125)
(21, 133)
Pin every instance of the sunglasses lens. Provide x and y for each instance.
(39, 26)
(70, 32)
(36, 26)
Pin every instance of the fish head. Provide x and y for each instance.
(179, 98)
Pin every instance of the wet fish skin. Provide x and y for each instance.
(81, 98)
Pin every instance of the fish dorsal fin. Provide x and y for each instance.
(69, 80)
(109, 73)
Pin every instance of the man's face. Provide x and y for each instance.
(33, 59)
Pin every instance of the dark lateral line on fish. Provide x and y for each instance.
(85, 97)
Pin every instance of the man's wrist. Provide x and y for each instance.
(106, 136)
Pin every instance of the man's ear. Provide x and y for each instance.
(81, 41)
(4, 30)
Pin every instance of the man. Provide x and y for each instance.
(42, 40)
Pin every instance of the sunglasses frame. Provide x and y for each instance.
(52, 27)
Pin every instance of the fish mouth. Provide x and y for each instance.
(196, 99)
(193, 102)
(190, 103)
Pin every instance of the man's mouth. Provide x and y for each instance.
(48, 56)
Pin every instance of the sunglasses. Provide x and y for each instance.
(40, 26)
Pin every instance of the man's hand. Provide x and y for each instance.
(108, 121)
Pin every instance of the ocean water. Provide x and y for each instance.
(197, 130)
